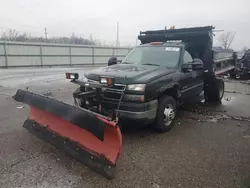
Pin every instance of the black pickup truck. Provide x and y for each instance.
(167, 69)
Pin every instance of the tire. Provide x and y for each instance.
(165, 102)
(214, 92)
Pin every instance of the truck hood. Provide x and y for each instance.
(128, 73)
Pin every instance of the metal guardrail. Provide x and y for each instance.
(22, 54)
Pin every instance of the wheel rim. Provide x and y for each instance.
(169, 114)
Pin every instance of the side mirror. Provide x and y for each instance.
(112, 61)
(196, 64)
(186, 67)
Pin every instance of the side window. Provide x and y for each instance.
(187, 58)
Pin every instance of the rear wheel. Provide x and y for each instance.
(214, 91)
(165, 114)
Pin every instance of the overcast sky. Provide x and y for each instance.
(99, 17)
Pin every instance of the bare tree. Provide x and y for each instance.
(10, 35)
(13, 35)
(226, 40)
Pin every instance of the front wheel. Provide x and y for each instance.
(165, 113)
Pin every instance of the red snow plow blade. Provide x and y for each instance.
(90, 138)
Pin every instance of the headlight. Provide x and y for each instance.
(136, 87)
(107, 81)
(103, 81)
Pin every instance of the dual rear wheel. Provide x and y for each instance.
(214, 90)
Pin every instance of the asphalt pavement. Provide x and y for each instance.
(209, 145)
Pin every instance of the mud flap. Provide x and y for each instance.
(90, 138)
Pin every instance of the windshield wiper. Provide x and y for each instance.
(150, 64)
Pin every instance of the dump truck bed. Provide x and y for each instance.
(199, 43)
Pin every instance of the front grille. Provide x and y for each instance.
(114, 92)
(112, 95)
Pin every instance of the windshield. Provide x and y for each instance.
(154, 55)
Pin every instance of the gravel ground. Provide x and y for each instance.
(208, 147)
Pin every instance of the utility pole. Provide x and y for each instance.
(46, 34)
(117, 35)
